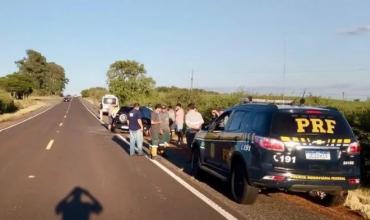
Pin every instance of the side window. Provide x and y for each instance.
(235, 121)
(221, 122)
(260, 122)
(246, 125)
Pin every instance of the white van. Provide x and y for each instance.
(107, 103)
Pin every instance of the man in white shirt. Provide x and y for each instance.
(194, 122)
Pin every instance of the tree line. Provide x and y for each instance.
(128, 80)
(34, 75)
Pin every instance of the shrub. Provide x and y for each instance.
(6, 103)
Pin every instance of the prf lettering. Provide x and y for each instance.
(316, 124)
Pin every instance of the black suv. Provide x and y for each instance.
(294, 148)
(120, 121)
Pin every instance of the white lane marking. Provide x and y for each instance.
(92, 113)
(50, 144)
(31, 177)
(65, 116)
(61, 124)
(27, 119)
(69, 106)
(198, 194)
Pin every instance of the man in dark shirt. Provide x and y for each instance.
(135, 126)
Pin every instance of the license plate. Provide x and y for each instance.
(124, 127)
(317, 155)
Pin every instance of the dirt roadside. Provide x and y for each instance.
(35, 106)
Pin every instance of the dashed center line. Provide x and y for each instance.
(50, 144)
(65, 116)
(61, 124)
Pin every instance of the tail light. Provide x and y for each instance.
(275, 178)
(353, 181)
(269, 143)
(354, 148)
(313, 112)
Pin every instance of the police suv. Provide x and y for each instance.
(293, 148)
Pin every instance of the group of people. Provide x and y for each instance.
(165, 121)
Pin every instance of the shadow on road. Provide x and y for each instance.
(79, 204)
(179, 155)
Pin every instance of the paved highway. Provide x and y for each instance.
(63, 164)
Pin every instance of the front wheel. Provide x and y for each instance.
(241, 191)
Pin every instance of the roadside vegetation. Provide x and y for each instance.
(35, 76)
(128, 80)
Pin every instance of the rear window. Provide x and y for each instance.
(111, 101)
(306, 125)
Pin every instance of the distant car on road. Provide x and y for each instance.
(67, 98)
(107, 103)
(293, 148)
(120, 121)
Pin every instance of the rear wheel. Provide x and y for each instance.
(241, 191)
(335, 199)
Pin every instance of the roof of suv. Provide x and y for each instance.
(270, 106)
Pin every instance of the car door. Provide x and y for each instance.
(233, 138)
(212, 140)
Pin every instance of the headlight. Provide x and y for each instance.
(122, 118)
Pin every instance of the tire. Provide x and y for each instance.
(241, 191)
(195, 162)
(335, 199)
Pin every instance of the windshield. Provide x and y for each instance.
(111, 101)
(310, 125)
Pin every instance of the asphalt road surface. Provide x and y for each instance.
(63, 164)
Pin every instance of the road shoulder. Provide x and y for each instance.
(41, 105)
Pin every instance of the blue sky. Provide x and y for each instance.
(231, 45)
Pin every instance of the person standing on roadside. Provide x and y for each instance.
(179, 123)
(165, 127)
(111, 115)
(171, 114)
(194, 122)
(135, 126)
(155, 129)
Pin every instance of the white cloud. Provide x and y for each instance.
(358, 30)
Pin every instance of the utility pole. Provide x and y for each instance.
(191, 85)
(343, 96)
(284, 69)
(192, 80)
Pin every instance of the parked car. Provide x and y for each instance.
(293, 148)
(107, 103)
(120, 121)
